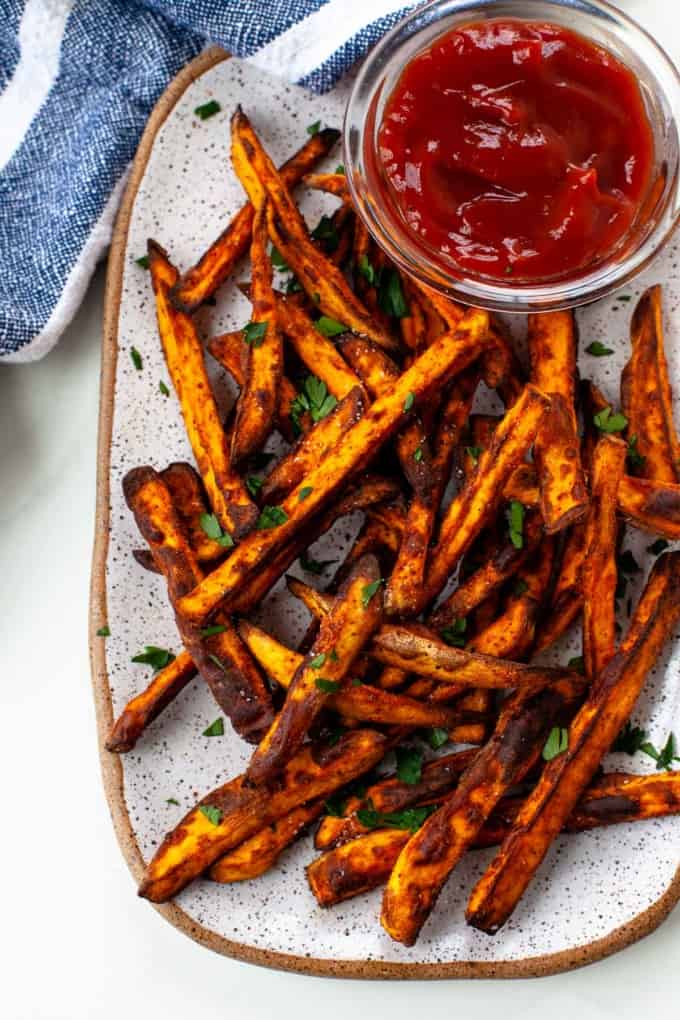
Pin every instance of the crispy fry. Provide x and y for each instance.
(414, 648)
(479, 499)
(513, 633)
(367, 861)
(599, 573)
(141, 711)
(368, 491)
(222, 659)
(320, 278)
(447, 356)
(227, 348)
(334, 184)
(356, 613)
(432, 853)
(406, 582)
(321, 357)
(258, 403)
(552, 349)
(258, 854)
(311, 449)
(187, 496)
(503, 563)
(184, 356)
(646, 396)
(388, 795)
(651, 506)
(361, 701)
(591, 734)
(218, 262)
(197, 842)
(414, 326)
(379, 373)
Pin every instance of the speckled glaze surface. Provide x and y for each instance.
(597, 891)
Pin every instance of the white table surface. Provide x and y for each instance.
(77, 943)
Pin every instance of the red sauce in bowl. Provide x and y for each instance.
(516, 149)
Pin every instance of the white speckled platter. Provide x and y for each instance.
(597, 892)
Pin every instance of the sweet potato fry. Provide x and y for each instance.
(258, 854)
(503, 563)
(186, 492)
(367, 861)
(379, 373)
(356, 613)
(436, 365)
(359, 701)
(141, 710)
(591, 734)
(258, 402)
(218, 262)
(552, 349)
(235, 812)
(311, 449)
(318, 275)
(314, 350)
(513, 633)
(477, 502)
(432, 853)
(438, 777)
(651, 506)
(221, 658)
(184, 356)
(368, 491)
(227, 348)
(333, 184)
(646, 396)
(414, 648)
(599, 574)
(406, 581)
(414, 326)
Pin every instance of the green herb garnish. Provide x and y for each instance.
(213, 529)
(369, 590)
(143, 261)
(474, 453)
(409, 765)
(208, 109)
(214, 628)
(136, 358)
(556, 744)
(329, 327)
(213, 814)
(598, 350)
(104, 631)
(326, 685)
(216, 729)
(409, 402)
(313, 398)
(391, 298)
(454, 633)
(314, 566)
(313, 129)
(318, 660)
(326, 233)
(635, 458)
(157, 658)
(516, 523)
(271, 517)
(164, 389)
(304, 492)
(437, 737)
(608, 422)
(410, 818)
(254, 333)
(254, 484)
(366, 269)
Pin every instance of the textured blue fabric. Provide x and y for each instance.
(117, 56)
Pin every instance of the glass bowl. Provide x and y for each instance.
(605, 25)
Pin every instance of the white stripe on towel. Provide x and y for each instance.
(305, 46)
(40, 34)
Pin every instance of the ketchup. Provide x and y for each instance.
(516, 149)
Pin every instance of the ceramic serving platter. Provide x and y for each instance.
(597, 891)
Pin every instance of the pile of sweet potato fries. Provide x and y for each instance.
(484, 539)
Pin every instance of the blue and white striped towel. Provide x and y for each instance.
(78, 79)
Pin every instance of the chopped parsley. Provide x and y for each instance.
(630, 739)
(516, 523)
(104, 631)
(340, 168)
(409, 765)
(608, 422)
(213, 529)
(314, 566)
(369, 590)
(598, 350)
(164, 389)
(326, 685)
(326, 233)
(577, 664)
(437, 737)
(474, 453)
(271, 517)
(304, 492)
(313, 129)
(254, 333)
(142, 261)
(367, 270)
(409, 402)
(208, 109)
(253, 484)
(278, 260)
(556, 744)
(136, 358)
(391, 298)
(329, 327)
(410, 818)
(213, 814)
(171, 800)
(318, 660)
(216, 729)
(454, 633)
(418, 455)
(214, 628)
(157, 658)
(313, 398)
(635, 458)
